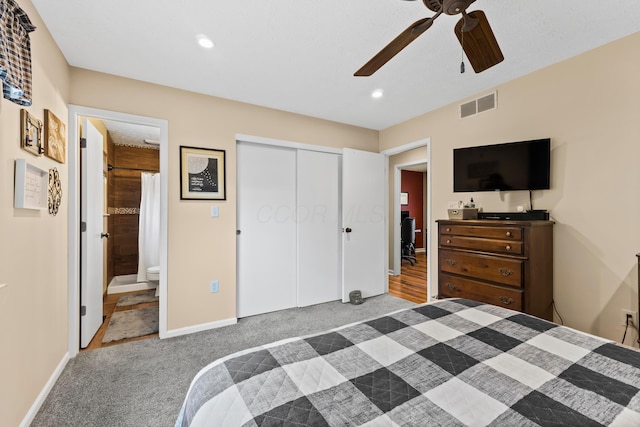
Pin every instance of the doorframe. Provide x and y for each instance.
(426, 142)
(397, 261)
(324, 149)
(73, 255)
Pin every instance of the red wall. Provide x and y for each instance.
(412, 183)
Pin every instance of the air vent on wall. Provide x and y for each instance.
(478, 105)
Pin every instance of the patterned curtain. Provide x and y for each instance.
(15, 53)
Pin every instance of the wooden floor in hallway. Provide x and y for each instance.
(108, 308)
(411, 284)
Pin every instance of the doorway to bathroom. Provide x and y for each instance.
(128, 246)
(131, 231)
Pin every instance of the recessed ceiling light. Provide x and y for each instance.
(205, 41)
(377, 93)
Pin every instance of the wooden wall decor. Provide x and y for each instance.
(55, 137)
(31, 133)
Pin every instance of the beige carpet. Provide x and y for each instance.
(131, 324)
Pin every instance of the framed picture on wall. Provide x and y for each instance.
(404, 199)
(31, 133)
(55, 137)
(202, 174)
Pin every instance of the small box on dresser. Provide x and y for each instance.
(506, 263)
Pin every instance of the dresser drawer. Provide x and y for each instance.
(493, 269)
(457, 287)
(500, 233)
(484, 245)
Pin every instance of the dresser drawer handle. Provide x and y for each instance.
(451, 262)
(509, 234)
(448, 242)
(508, 247)
(506, 300)
(505, 271)
(452, 287)
(448, 229)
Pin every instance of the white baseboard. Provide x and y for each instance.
(28, 419)
(199, 328)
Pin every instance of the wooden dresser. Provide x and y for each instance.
(506, 263)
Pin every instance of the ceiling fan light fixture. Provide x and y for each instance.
(205, 41)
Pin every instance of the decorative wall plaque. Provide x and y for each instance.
(55, 191)
(31, 133)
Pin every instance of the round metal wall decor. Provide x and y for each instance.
(55, 191)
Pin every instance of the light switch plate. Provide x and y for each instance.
(214, 212)
(214, 286)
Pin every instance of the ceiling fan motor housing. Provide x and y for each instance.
(454, 7)
(449, 7)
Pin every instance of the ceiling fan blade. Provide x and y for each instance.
(480, 45)
(395, 46)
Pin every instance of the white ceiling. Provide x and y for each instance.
(300, 55)
(132, 134)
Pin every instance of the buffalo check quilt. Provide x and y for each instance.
(454, 362)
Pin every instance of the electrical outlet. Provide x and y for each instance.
(633, 314)
(214, 286)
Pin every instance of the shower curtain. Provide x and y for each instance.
(149, 226)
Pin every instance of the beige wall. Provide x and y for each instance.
(589, 107)
(202, 249)
(33, 253)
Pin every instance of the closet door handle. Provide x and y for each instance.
(348, 230)
(105, 235)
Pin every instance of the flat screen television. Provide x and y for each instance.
(523, 165)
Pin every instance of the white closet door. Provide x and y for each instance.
(266, 222)
(363, 219)
(319, 234)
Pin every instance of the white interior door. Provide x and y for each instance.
(91, 215)
(267, 229)
(363, 222)
(319, 234)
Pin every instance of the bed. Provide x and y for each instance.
(453, 362)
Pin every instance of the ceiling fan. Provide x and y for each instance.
(473, 32)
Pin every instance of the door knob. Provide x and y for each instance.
(347, 230)
(105, 235)
(238, 232)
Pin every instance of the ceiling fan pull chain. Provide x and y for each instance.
(462, 54)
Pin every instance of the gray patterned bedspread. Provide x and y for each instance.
(449, 363)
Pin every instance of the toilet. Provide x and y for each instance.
(153, 273)
(153, 277)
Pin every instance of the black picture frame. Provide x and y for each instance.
(202, 174)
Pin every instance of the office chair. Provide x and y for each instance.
(408, 239)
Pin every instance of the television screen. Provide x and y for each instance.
(521, 165)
